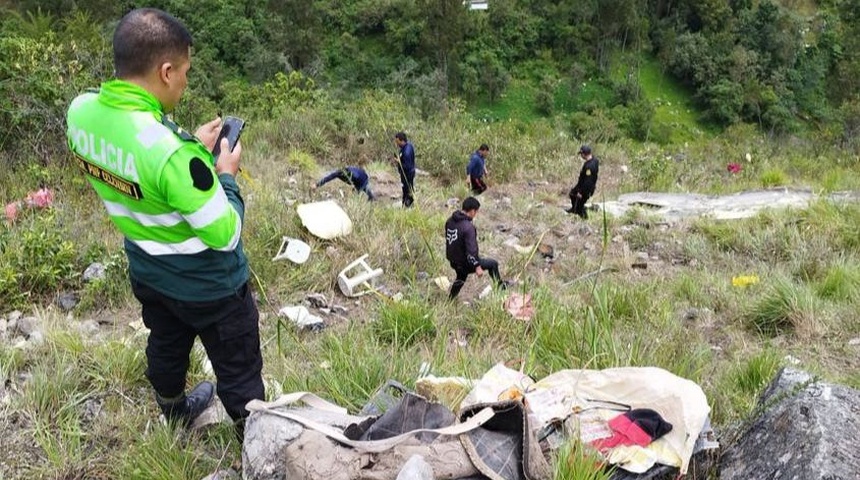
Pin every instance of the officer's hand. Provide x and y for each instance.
(479, 271)
(228, 162)
(208, 133)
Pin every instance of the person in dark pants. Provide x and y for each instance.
(476, 170)
(181, 214)
(405, 162)
(461, 248)
(354, 176)
(584, 188)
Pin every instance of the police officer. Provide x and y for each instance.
(584, 188)
(181, 215)
(405, 163)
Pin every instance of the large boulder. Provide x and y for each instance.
(808, 430)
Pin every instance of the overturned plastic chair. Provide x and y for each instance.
(361, 282)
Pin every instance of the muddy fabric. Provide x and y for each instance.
(314, 457)
(412, 413)
(505, 448)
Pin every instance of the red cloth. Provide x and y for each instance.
(627, 432)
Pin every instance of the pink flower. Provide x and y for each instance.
(12, 211)
(41, 198)
(733, 167)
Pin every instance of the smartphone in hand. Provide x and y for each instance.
(231, 129)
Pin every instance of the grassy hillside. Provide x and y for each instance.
(76, 405)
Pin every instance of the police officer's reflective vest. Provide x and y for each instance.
(123, 142)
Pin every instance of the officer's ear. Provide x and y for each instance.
(165, 72)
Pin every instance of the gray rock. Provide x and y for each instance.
(89, 327)
(223, 475)
(4, 326)
(642, 256)
(416, 468)
(421, 276)
(36, 338)
(854, 342)
(805, 432)
(507, 202)
(96, 271)
(617, 239)
(584, 229)
(67, 300)
(15, 315)
(452, 202)
(27, 325)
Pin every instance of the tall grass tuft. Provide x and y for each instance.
(575, 461)
(401, 324)
(786, 307)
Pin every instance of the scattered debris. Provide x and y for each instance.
(854, 342)
(733, 168)
(744, 280)
(294, 250)
(421, 276)
(360, 283)
(41, 198)
(520, 306)
(27, 325)
(317, 300)
(486, 291)
(640, 265)
(443, 283)
(300, 315)
(546, 251)
(325, 219)
(452, 202)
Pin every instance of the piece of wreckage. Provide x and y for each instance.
(645, 421)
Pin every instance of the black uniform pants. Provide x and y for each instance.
(407, 183)
(578, 203)
(227, 327)
(478, 185)
(487, 264)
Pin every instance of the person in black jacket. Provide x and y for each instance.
(584, 188)
(461, 248)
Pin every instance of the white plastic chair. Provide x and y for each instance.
(361, 282)
(296, 251)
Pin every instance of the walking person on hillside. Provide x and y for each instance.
(476, 169)
(354, 176)
(584, 188)
(461, 248)
(181, 214)
(405, 162)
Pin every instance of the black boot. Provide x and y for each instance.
(186, 408)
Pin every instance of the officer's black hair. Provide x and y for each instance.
(471, 203)
(400, 136)
(145, 38)
(484, 147)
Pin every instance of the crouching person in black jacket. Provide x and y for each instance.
(461, 248)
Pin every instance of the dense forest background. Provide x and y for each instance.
(787, 67)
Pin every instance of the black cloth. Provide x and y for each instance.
(487, 264)
(227, 327)
(461, 241)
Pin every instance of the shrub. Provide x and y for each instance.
(773, 177)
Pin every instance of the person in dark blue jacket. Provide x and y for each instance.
(586, 184)
(476, 170)
(461, 248)
(405, 162)
(354, 176)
